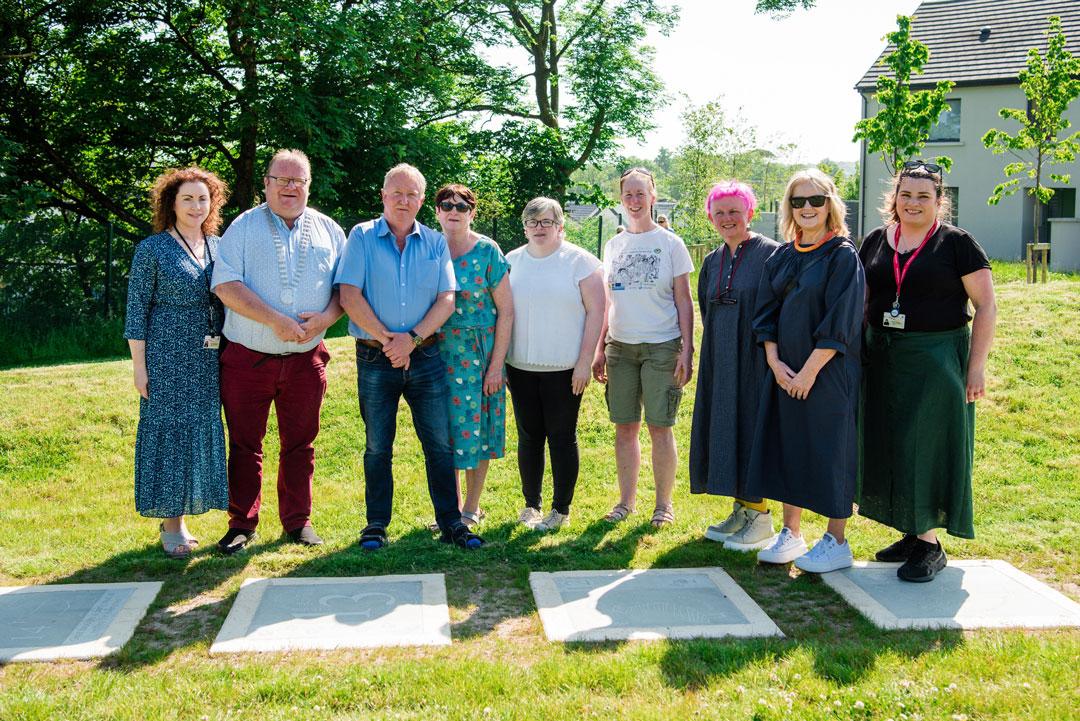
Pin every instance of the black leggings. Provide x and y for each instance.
(545, 407)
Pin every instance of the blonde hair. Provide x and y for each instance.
(409, 170)
(289, 154)
(835, 221)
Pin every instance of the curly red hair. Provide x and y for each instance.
(163, 197)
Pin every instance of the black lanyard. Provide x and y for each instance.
(205, 275)
(724, 296)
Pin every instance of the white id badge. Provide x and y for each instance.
(893, 321)
(211, 342)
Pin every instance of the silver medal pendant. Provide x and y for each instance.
(288, 296)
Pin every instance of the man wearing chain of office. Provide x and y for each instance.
(275, 275)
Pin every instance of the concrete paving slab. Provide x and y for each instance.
(646, 604)
(78, 620)
(279, 614)
(966, 595)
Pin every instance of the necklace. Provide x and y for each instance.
(289, 285)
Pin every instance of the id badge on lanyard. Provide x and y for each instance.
(893, 318)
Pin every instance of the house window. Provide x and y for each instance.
(947, 128)
(952, 193)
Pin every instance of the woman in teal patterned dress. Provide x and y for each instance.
(173, 329)
(473, 343)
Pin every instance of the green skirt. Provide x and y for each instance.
(917, 432)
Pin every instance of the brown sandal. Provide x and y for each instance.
(663, 516)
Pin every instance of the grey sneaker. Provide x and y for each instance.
(530, 517)
(732, 524)
(826, 555)
(552, 521)
(755, 535)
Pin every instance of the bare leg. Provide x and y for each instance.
(792, 517)
(173, 525)
(474, 486)
(665, 459)
(627, 461)
(930, 536)
(836, 528)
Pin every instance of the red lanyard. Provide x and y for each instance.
(736, 258)
(898, 274)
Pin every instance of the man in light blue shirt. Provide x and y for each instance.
(397, 284)
(275, 275)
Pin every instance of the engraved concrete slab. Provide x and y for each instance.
(278, 614)
(646, 604)
(966, 595)
(78, 620)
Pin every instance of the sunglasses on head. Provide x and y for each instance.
(916, 164)
(643, 171)
(447, 206)
(816, 201)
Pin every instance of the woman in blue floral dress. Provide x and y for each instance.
(473, 343)
(173, 329)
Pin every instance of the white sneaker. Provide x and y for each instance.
(730, 525)
(755, 535)
(786, 548)
(552, 521)
(530, 517)
(826, 555)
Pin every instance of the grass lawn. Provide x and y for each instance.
(66, 442)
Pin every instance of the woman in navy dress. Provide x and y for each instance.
(173, 328)
(809, 318)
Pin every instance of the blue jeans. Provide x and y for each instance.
(380, 387)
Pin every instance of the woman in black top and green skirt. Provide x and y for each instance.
(924, 370)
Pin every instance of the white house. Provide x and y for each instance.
(981, 45)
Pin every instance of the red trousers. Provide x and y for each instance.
(295, 384)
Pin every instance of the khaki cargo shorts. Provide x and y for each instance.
(642, 374)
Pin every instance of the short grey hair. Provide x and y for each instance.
(405, 169)
(289, 154)
(538, 206)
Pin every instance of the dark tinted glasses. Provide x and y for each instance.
(816, 201)
(447, 206)
(916, 164)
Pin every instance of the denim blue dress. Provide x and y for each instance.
(180, 444)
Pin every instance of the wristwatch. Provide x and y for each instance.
(417, 339)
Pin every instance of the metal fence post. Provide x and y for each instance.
(495, 229)
(108, 272)
(599, 234)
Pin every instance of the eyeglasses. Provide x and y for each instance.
(916, 164)
(643, 171)
(447, 206)
(816, 201)
(542, 223)
(285, 181)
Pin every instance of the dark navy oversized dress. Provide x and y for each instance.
(180, 444)
(805, 453)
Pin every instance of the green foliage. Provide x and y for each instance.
(848, 185)
(902, 125)
(782, 8)
(1050, 83)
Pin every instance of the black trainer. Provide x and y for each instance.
(926, 560)
(305, 536)
(899, 551)
(235, 540)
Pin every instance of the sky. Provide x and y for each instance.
(793, 78)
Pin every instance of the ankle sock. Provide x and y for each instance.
(761, 506)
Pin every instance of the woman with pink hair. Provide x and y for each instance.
(733, 368)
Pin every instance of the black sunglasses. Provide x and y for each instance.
(916, 164)
(816, 201)
(447, 206)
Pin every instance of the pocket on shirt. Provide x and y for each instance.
(427, 276)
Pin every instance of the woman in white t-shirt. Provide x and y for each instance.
(558, 294)
(647, 352)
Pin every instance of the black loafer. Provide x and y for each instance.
(925, 562)
(899, 551)
(236, 539)
(305, 536)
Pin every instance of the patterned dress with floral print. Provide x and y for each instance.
(477, 422)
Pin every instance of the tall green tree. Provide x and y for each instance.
(1050, 82)
(905, 117)
(782, 7)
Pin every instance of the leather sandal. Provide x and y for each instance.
(175, 545)
(618, 513)
(473, 519)
(663, 516)
(462, 537)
